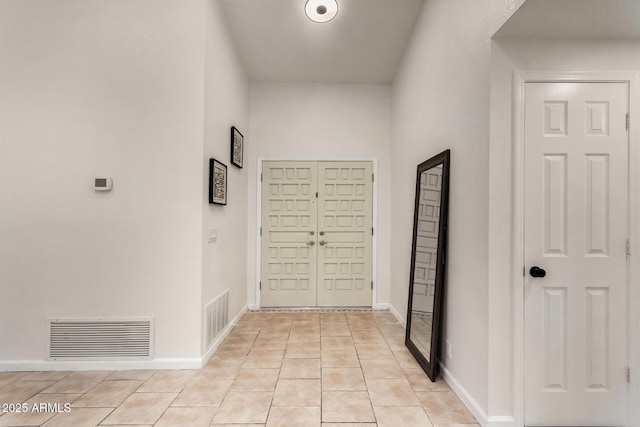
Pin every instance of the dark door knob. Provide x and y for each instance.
(536, 271)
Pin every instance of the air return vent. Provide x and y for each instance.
(216, 318)
(100, 338)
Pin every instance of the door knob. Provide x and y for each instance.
(311, 243)
(312, 233)
(322, 243)
(322, 233)
(536, 271)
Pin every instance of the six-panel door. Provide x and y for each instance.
(576, 226)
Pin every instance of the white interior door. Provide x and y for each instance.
(344, 233)
(316, 234)
(289, 222)
(427, 240)
(576, 228)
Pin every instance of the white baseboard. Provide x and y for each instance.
(381, 306)
(468, 401)
(120, 365)
(98, 365)
(225, 332)
(501, 421)
(397, 315)
(253, 307)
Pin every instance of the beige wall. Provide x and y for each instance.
(322, 122)
(117, 88)
(440, 101)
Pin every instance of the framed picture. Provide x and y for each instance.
(237, 147)
(217, 182)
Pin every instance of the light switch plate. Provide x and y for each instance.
(213, 235)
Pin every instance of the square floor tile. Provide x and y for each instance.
(335, 331)
(167, 381)
(340, 359)
(421, 382)
(141, 408)
(444, 407)
(344, 379)
(78, 382)
(247, 407)
(302, 351)
(405, 416)
(287, 416)
(130, 375)
(19, 391)
(346, 407)
(10, 377)
(203, 391)
(300, 368)
(108, 394)
(391, 392)
(264, 359)
(191, 417)
(381, 368)
(336, 343)
(297, 392)
(79, 417)
(255, 379)
(374, 351)
(44, 376)
(406, 359)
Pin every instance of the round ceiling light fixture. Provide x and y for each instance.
(321, 10)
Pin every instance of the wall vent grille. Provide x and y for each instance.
(216, 318)
(100, 338)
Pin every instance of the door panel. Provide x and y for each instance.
(345, 221)
(576, 226)
(289, 216)
(316, 234)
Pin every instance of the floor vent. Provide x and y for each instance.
(100, 338)
(216, 318)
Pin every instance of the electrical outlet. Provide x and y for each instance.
(448, 350)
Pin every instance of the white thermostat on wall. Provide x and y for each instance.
(102, 183)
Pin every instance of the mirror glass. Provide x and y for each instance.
(427, 261)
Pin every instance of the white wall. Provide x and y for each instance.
(226, 105)
(509, 55)
(440, 101)
(322, 122)
(116, 88)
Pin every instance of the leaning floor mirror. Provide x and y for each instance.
(428, 253)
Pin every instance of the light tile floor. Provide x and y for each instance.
(278, 368)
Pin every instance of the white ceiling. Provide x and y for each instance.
(575, 19)
(364, 43)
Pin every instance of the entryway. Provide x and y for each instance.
(317, 227)
(576, 228)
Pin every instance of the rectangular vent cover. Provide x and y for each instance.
(100, 338)
(216, 318)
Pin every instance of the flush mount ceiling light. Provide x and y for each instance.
(321, 10)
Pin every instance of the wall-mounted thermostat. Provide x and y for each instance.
(102, 184)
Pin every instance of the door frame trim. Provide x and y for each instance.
(374, 219)
(521, 77)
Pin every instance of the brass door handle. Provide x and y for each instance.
(322, 243)
(311, 243)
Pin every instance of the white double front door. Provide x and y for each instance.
(316, 234)
(576, 227)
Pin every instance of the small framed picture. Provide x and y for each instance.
(237, 147)
(217, 182)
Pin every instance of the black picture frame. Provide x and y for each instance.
(217, 182)
(237, 147)
(431, 366)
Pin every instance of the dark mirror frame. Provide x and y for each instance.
(431, 366)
